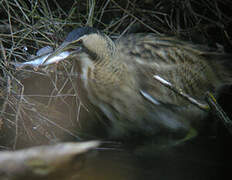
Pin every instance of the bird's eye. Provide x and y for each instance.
(77, 48)
(80, 41)
(77, 42)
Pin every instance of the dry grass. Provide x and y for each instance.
(28, 25)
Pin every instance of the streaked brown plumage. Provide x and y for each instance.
(116, 75)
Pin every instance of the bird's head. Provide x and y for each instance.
(90, 41)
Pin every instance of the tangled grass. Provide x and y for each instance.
(40, 107)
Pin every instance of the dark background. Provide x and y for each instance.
(35, 24)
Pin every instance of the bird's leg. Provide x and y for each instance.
(218, 111)
(164, 82)
(212, 105)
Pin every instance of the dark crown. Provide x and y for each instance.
(79, 32)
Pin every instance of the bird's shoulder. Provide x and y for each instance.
(149, 47)
(149, 54)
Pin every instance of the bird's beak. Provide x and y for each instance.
(65, 46)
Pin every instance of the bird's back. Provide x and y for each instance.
(181, 63)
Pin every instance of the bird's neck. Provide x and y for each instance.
(109, 71)
(101, 73)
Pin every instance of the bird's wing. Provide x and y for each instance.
(176, 61)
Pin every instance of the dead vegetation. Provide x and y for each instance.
(30, 101)
(27, 26)
(42, 107)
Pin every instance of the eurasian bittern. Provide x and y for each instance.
(117, 79)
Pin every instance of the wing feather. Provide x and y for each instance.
(179, 62)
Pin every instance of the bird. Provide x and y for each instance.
(117, 80)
